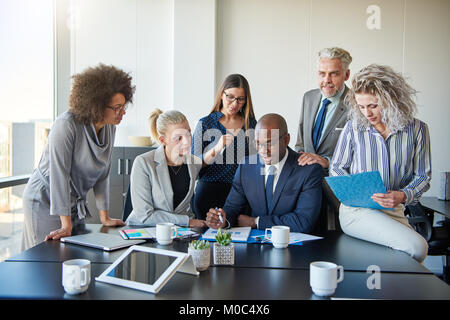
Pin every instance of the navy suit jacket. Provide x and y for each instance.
(296, 200)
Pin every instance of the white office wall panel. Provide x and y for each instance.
(266, 41)
(427, 65)
(344, 24)
(194, 57)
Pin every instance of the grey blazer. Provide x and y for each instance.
(310, 106)
(152, 194)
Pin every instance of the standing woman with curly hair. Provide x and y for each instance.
(77, 157)
(383, 135)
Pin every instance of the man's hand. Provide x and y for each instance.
(213, 221)
(246, 221)
(390, 199)
(311, 158)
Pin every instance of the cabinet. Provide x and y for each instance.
(119, 180)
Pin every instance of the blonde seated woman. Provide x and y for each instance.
(383, 135)
(163, 180)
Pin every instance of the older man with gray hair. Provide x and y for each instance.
(324, 113)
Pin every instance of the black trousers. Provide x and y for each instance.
(209, 195)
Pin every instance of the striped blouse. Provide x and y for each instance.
(403, 159)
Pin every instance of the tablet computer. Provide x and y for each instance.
(98, 240)
(147, 269)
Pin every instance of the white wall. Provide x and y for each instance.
(179, 52)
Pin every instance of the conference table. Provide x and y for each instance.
(261, 272)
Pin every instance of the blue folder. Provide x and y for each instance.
(355, 190)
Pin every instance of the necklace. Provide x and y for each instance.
(176, 171)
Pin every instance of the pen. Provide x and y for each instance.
(220, 216)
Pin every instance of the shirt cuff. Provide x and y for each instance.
(257, 222)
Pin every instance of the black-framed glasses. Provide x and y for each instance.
(118, 107)
(230, 98)
(269, 144)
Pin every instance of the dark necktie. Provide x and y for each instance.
(269, 186)
(318, 126)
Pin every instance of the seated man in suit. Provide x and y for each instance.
(277, 189)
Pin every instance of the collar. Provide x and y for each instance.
(336, 98)
(279, 166)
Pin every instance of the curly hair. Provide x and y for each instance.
(395, 96)
(93, 90)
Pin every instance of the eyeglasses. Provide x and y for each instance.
(118, 107)
(230, 98)
(269, 144)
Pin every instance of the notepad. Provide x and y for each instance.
(237, 234)
(150, 233)
(356, 190)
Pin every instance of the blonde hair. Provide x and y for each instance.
(159, 121)
(336, 53)
(395, 96)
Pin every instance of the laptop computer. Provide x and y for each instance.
(103, 241)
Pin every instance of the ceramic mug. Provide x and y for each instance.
(165, 232)
(279, 236)
(76, 275)
(323, 277)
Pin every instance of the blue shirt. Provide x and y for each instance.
(206, 134)
(403, 159)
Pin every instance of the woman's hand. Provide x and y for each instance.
(391, 199)
(110, 222)
(194, 223)
(64, 231)
(224, 141)
(60, 233)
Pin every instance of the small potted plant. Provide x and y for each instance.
(223, 248)
(200, 252)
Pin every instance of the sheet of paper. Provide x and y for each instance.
(355, 190)
(237, 234)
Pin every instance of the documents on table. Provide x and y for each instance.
(237, 234)
(356, 190)
(150, 233)
(294, 237)
(246, 234)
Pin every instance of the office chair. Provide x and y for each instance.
(127, 207)
(438, 236)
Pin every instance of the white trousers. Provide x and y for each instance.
(386, 227)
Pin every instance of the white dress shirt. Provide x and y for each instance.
(278, 167)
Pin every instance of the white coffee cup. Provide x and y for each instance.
(323, 277)
(76, 275)
(279, 236)
(165, 232)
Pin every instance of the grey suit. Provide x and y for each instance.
(310, 106)
(152, 194)
(327, 144)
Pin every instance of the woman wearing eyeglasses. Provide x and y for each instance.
(221, 139)
(77, 157)
(163, 180)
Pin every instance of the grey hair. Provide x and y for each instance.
(159, 121)
(336, 53)
(395, 96)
